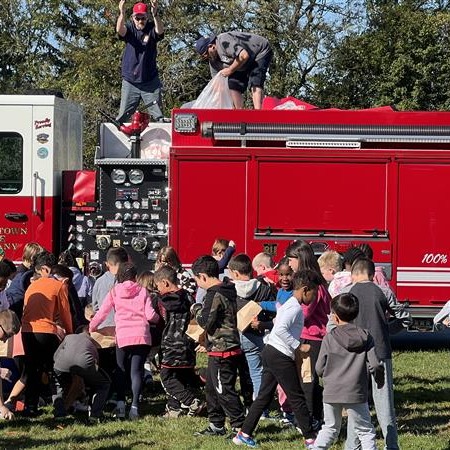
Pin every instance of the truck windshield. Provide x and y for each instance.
(11, 166)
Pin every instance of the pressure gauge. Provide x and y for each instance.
(136, 205)
(79, 238)
(79, 246)
(136, 176)
(160, 226)
(80, 228)
(90, 223)
(118, 204)
(118, 176)
(127, 205)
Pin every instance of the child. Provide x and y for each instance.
(379, 277)
(5, 273)
(102, 286)
(247, 289)
(330, 264)
(373, 311)
(343, 279)
(114, 257)
(168, 256)
(178, 351)
(217, 316)
(279, 365)
(77, 355)
(9, 326)
(147, 280)
(284, 293)
(346, 355)
(46, 319)
(222, 251)
(133, 310)
(301, 256)
(264, 266)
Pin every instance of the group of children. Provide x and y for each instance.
(322, 318)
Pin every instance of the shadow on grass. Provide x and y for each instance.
(25, 440)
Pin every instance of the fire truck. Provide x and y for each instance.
(262, 178)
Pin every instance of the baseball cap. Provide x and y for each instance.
(201, 45)
(140, 8)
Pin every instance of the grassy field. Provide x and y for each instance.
(422, 390)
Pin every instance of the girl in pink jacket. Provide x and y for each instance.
(133, 312)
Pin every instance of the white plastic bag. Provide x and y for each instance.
(216, 95)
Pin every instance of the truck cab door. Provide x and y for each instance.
(17, 225)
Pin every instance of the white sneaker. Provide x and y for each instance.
(119, 411)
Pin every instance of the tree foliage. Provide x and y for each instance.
(333, 53)
(402, 59)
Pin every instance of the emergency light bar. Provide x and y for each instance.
(333, 133)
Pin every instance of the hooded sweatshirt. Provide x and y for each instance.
(218, 317)
(346, 356)
(133, 312)
(254, 290)
(176, 347)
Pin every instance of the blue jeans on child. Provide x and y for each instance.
(252, 345)
(383, 400)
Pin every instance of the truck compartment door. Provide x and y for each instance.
(16, 204)
(423, 248)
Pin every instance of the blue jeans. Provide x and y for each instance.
(383, 400)
(131, 95)
(252, 346)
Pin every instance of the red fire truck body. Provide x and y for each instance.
(262, 178)
(333, 178)
(40, 136)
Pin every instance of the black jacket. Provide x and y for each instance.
(178, 350)
(218, 317)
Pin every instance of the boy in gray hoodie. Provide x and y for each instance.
(346, 356)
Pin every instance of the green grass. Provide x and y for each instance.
(422, 394)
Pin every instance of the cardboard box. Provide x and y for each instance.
(246, 315)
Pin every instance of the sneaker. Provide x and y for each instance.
(119, 410)
(288, 420)
(240, 439)
(309, 443)
(133, 413)
(211, 431)
(196, 407)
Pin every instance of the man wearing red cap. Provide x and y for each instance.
(139, 71)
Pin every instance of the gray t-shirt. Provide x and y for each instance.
(230, 44)
(76, 350)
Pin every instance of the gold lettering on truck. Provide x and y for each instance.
(13, 230)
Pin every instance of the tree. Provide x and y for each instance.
(401, 59)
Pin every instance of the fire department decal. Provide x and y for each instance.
(44, 123)
(42, 138)
(42, 152)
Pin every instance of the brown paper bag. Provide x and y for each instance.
(105, 337)
(6, 348)
(196, 332)
(246, 314)
(304, 368)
